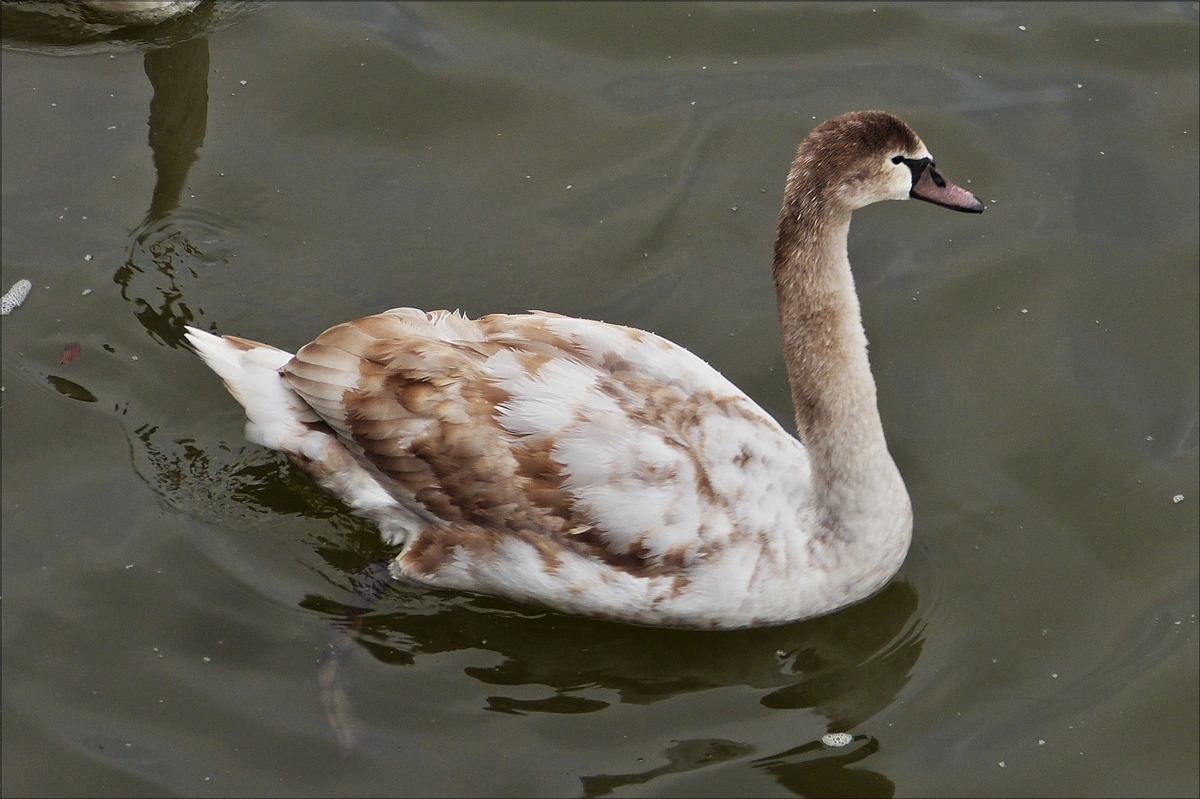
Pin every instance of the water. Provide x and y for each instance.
(168, 588)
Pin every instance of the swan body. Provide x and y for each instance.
(603, 470)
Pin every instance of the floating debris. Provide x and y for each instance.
(837, 739)
(14, 297)
(71, 352)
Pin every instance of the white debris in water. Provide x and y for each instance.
(14, 297)
(837, 739)
(1176, 499)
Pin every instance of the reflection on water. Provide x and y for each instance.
(847, 667)
(809, 770)
(823, 664)
(210, 483)
(176, 62)
(681, 757)
(166, 255)
(178, 117)
(178, 120)
(815, 770)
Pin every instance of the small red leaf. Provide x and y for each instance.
(71, 352)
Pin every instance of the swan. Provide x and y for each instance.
(602, 470)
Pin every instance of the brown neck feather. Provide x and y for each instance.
(824, 346)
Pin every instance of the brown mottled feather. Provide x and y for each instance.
(423, 412)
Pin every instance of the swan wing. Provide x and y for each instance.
(572, 438)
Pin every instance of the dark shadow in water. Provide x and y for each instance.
(162, 251)
(69, 388)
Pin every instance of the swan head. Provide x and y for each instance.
(865, 157)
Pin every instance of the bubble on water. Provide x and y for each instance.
(837, 739)
(14, 297)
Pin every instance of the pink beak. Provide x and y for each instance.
(929, 185)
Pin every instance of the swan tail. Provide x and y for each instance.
(280, 419)
(277, 417)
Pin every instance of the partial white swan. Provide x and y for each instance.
(603, 470)
(141, 12)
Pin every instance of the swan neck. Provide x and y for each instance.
(825, 348)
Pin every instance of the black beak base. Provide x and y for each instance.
(930, 186)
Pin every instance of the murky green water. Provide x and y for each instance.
(168, 589)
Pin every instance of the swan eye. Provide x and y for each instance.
(897, 159)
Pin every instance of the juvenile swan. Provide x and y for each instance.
(602, 470)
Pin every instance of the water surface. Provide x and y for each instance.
(168, 588)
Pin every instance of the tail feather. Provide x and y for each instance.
(250, 370)
(280, 419)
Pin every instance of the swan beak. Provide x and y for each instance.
(929, 185)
